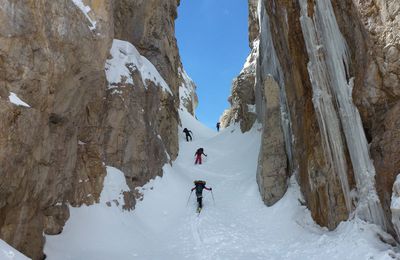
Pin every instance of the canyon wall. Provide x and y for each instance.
(337, 66)
(78, 91)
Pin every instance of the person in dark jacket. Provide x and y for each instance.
(198, 155)
(187, 133)
(199, 186)
(218, 126)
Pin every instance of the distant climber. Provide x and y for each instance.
(199, 186)
(187, 133)
(198, 154)
(218, 125)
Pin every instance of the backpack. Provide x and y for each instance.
(200, 151)
(199, 182)
(199, 186)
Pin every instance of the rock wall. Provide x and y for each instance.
(324, 159)
(242, 99)
(187, 93)
(272, 171)
(53, 153)
(374, 41)
(150, 25)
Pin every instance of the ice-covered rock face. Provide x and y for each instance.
(346, 133)
(63, 118)
(329, 74)
(376, 93)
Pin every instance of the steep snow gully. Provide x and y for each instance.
(237, 226)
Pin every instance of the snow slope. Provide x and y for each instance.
(9, 253)
(237, 226)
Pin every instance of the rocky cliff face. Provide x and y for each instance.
(85, 106)
(242, 99)
(336, 64)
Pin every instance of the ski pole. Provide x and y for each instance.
(189, 198)
(212, 194)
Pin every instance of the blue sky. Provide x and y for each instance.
(213, 43)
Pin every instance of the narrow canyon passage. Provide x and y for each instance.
(94, 96)
(237, 226)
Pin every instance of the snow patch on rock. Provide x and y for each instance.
(16, 100)
(187, 92)
(86, 10)
(114, 186)
(251, 60)
(125, 59)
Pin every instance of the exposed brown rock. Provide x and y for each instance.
(242, 99)
(272, 177)
(55, 63)
(254, 28)
(373, 54)
(54, 153)
(131, 140)
(318, 182)
(242, 102)
(150, 25)
(55, 218)
(187, 93)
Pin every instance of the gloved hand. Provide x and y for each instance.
(210, 188)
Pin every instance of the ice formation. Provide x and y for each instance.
(332, 88)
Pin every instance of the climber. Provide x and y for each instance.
(187, 133)
(199, 186)
(198, 154)
(218, 125)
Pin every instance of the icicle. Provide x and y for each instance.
(328, 120)
(328, 69)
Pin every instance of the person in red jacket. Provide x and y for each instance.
(199, 186)
(198, 154)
